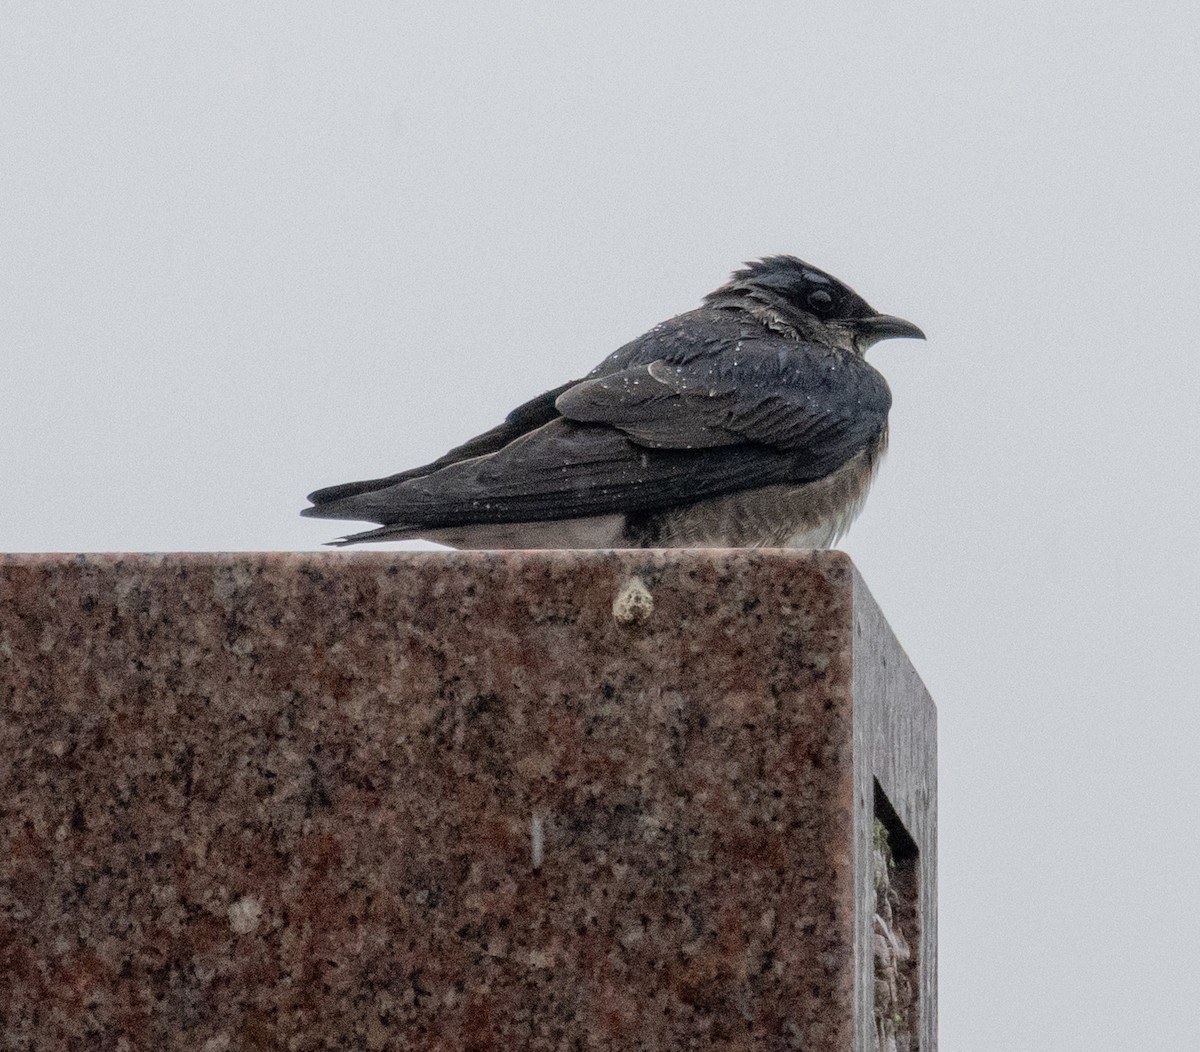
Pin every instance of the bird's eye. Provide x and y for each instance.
(820, 300)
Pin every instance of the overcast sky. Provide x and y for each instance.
(257, 248)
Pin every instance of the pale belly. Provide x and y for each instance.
(813, 515)
(601, 531)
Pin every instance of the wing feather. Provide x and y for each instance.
(563, 470)
(527, 416)
(820, 404)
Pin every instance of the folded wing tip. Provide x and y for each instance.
(320, 511)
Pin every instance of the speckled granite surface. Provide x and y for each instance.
(432, 801)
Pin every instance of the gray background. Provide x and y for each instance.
(252, 249)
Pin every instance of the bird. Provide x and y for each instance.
(752, 421)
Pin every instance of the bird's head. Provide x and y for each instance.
(788, 293)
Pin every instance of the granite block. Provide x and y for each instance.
(553, 800)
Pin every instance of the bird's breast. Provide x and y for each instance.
(805, 515)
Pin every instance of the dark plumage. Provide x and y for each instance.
(753, 420)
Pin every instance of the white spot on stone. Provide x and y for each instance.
(631, 936)
(634, 604)
(244, 915)
(536, 835)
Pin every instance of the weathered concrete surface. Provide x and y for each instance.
(459, 801)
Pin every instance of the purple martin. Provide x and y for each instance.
(752, 421)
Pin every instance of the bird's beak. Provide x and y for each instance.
(886, 327)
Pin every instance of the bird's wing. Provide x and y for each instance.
(679, 339)
(652, 436)
(563, 470)
(820, 405)
(532, 414)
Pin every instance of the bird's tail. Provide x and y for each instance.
(384, 533)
